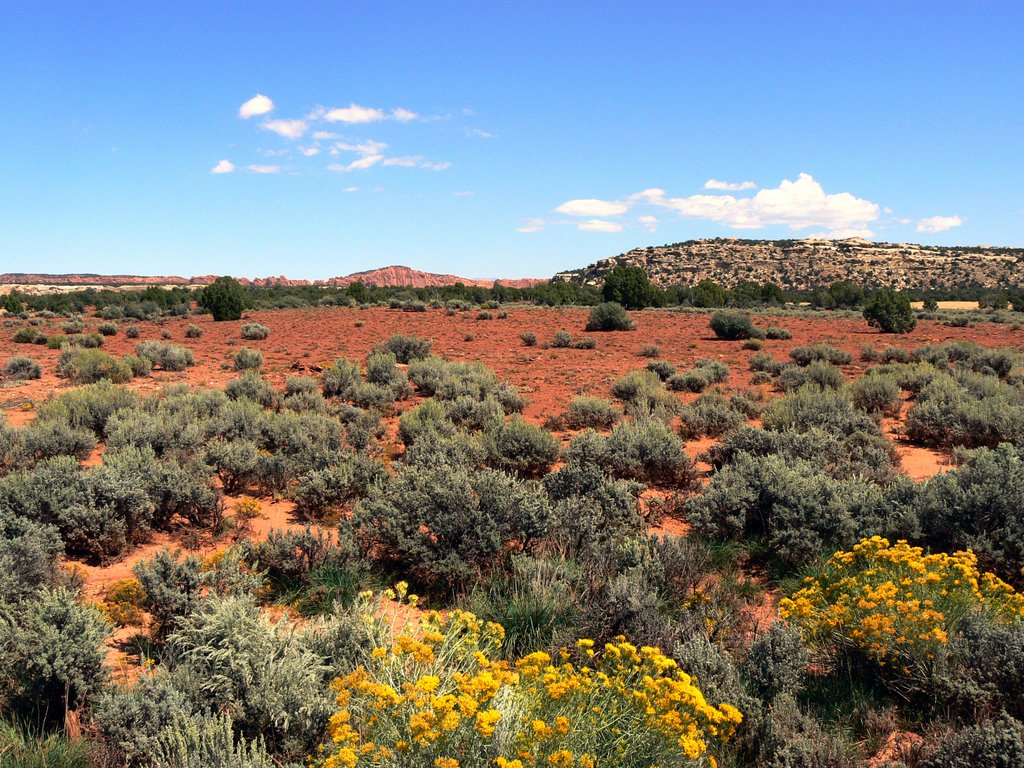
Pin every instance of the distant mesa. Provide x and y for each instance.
(394, 276)
(812, 262)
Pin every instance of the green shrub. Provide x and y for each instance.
(708, 415)
(88, 407)
(643, 392)
(88, 366)
(777, 663)
(168, 357)
(107, 329)
(645, 450)
(662, 368)
(250, 386)
(998, 743)
(649, 350)
(979, 506)
(519, 447)
(609, 316)
(382, 370)
(798, 512)
(968, 409)
(561, 340)
(254, 331)
(445, 524)
(320, 492)
(193, 331)
(890, 312)
(733, 325)
(73, 326)
(246, 359)
(224, 299)
(809, 407)
(591, 412)
(228, 656)
(877, 395)
(29, 336)
(406, 348)
(820, 352)
(339, 379)
(817, 374)
(774, 332)
(53, 650)
(429, 415)
(529, 339)
(30, 553)
(20, 367)
(754, 345)
(139, 366)
(132, 331)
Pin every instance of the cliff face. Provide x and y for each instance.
(396, 276)
(799, 264)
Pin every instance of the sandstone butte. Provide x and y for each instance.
(394, 276)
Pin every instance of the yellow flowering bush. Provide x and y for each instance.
(896, 604)
(121, 602)
(432, 693)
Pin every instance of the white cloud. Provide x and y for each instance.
(841, 234)
(592, 207)
(363, 148)
(354, 113)
(464, 193)
(309, 151)
(350, 189)
(532, 225)
(650, 223)
(263, 168)
(797, 204)
(938, 223)
(356, 165)
(403, 115)
(224, 166)
(290, 129)
(257, 105)
(731, 186)
(477, 133)
(434, 166)
(324, 135)
(403, 162)
(599, 225)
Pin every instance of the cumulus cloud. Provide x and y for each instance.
(363, 148)
(599, 225)
(938, 223)
(532, 225)
(309, 151)
(350, 189)
(357, 165)
(649, 223)
(796, 204)
(324, 135)
(224, 166)
(354, 113)
(403, 115)
(592, 207)
(290, 129)
(257, 105)
(729, 186)
(403, 162)
(841, 234)
(263, 168)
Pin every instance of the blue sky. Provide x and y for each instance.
(496, 139)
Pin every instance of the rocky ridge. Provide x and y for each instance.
(802, 264)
